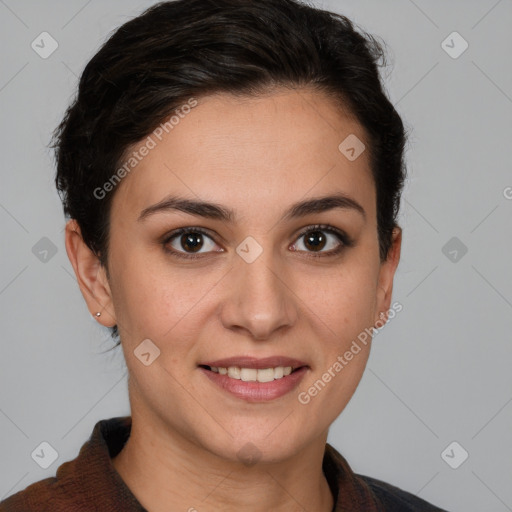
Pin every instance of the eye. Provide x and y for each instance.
(189, 239)
(315, 240)
(188, 242)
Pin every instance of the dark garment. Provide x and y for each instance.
(90, 483)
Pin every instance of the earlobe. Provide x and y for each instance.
(90, 275)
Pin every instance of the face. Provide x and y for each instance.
(266, 281)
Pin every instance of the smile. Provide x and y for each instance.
(253, 374)
(255, 385)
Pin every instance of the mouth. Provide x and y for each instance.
(253, 374)
(255, 380)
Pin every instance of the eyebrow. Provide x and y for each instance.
(217, 211)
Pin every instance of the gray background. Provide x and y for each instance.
(439, 371)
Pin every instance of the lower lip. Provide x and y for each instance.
(257, 391)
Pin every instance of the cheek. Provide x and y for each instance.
(152, 298)
(341, 318)
(342, 299)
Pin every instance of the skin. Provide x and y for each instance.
(256, 156)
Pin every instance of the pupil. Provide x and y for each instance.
(315, 240)
(192, 241)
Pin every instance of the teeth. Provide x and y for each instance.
(252, 374)
(234, 372)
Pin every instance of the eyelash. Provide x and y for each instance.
(345, 240)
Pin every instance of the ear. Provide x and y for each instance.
(91, 276)
(386, 276)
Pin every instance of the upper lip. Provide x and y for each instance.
(254, 362)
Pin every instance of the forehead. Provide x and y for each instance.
(251, 151)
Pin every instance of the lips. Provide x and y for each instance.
(256, 363)
(258, 391)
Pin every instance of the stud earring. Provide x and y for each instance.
(98, 314)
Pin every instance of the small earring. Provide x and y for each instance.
(382, 315)
(98, 314)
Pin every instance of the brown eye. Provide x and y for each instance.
(191, 241)
(317, 238)
(188, 242)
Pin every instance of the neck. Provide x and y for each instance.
(170, 473)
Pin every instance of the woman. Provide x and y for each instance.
(232, 172)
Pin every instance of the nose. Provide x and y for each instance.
(259, 298)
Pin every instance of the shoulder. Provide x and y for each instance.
(62, 492)
(85, 484)
(394, 499)
(354, 491)
(37, 497)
